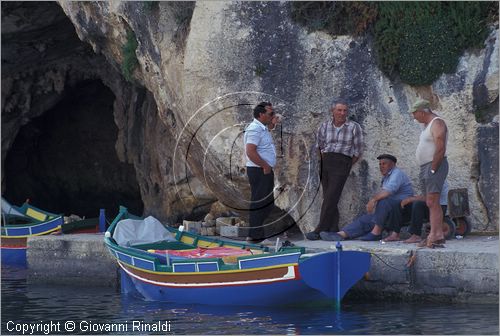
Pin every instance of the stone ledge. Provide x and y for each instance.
(81, 260)
(465, 271)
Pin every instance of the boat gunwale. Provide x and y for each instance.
(235, 270)
(34, 225)
(158, 265)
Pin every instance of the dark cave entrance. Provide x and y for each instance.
(65, 160)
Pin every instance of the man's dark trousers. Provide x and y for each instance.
(334, 172)
(397, 217)
(420, 215)
(262, 200)
(386, 211)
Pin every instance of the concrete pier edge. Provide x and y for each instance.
(465, 271)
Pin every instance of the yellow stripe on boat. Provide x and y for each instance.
(50, 231)
(36, 214)
(203, 273)
(35, 234)
(206, 243)
(187, 240)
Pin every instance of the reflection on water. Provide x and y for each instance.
(22, 303)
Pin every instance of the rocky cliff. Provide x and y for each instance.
(203, 66)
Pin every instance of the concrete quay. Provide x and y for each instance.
(466, 270)
(71, 259)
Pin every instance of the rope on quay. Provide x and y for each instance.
(410, 262)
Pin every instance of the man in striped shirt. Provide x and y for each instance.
(340, 144)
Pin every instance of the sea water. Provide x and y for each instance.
(51, 310)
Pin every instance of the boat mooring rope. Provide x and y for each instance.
(390, 266)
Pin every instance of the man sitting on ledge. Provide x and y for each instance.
(395, 187)
(420, 214)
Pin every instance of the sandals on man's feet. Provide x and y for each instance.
(435, 244)
(422, 243)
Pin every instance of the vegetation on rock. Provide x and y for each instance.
(130, 61)
(418, 41)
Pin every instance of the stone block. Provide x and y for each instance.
(232, 231)
(190, 226)
(242, 223)
(210, 231)
(225, 221)
(228, 231)
(209, 223)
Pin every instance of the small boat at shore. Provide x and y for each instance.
(162, 263)
(19, 223)
(82, 225)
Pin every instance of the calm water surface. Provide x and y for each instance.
(94, 309)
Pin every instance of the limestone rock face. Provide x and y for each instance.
(204, 73)
(47, 75)
(42, 61)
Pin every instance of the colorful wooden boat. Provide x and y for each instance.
(19, 223)
(235, 274)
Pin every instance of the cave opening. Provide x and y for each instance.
(65, 160)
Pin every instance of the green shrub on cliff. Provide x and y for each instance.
(130, 61)
(418, 41)
(422, 40)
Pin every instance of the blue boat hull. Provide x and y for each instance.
(267, 294)
(14, 256)
(325, 276)
(14, 239)
(261, 278)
